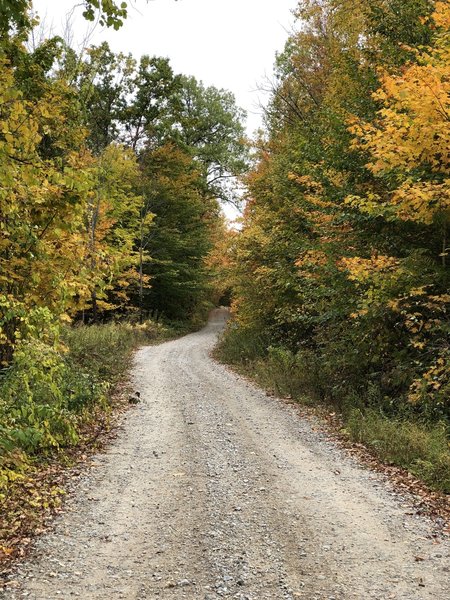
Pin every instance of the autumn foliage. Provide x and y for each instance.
(340, 273)
(112, 170)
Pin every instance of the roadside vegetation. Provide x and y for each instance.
(57, 404)
(395, 437)
(340, 273)
(112, 170)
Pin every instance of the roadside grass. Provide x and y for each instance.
(421, 449)
(56, 402)
(104, 350)
(402, 439)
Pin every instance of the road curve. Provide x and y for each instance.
(215, 490)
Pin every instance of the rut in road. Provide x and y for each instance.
(215, 490)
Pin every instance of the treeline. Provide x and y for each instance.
(112, 172)
(340, 274)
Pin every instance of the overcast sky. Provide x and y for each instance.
(230, 44)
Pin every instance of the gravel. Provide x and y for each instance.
(215, 490)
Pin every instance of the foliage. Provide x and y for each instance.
(422, 450)
(104, 81)
(402, 440)
(15, 13)
(56, 385)
(55, 395)
(40, 237)
(190, 148)
(408, 142)
(339, 273)
(112, 219)
(181, 234)
(103, 350)
(77, 140)
(108, 208)
(110, 13)
(207, 124)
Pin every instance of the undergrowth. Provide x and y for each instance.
(55, 396)
(395, 434)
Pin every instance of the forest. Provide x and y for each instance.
(340, 274)
(114, 169)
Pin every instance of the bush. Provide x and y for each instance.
(103, 350)
(51, 390)
(286, 373)
(238, 345)
(34, 403)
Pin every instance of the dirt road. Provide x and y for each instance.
(215, 490)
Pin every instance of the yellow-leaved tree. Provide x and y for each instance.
(112, 220)
(409, 143)
(408, 146)
(42, 198)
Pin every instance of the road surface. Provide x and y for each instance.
(215, 490)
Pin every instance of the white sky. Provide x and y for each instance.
(230, 44)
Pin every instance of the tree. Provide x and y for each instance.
(342, 258)
(105, 82)
(409, 142)
(15, 14)
(153, 87)
(399, 26)
(180, 235)
(112, 218)
(42, 198)
(207, 124)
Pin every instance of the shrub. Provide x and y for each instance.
(395, 431)
(34, 406)
(52, 389)
(239, 344)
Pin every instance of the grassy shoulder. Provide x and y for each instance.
(57, 402)
(398, 438)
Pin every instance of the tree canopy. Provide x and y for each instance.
(343, 256)
(106, 192)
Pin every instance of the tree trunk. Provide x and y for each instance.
(94, 307)
(141, 285)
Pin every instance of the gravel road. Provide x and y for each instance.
(215, 490)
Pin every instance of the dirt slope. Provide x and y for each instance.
(213, 490)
